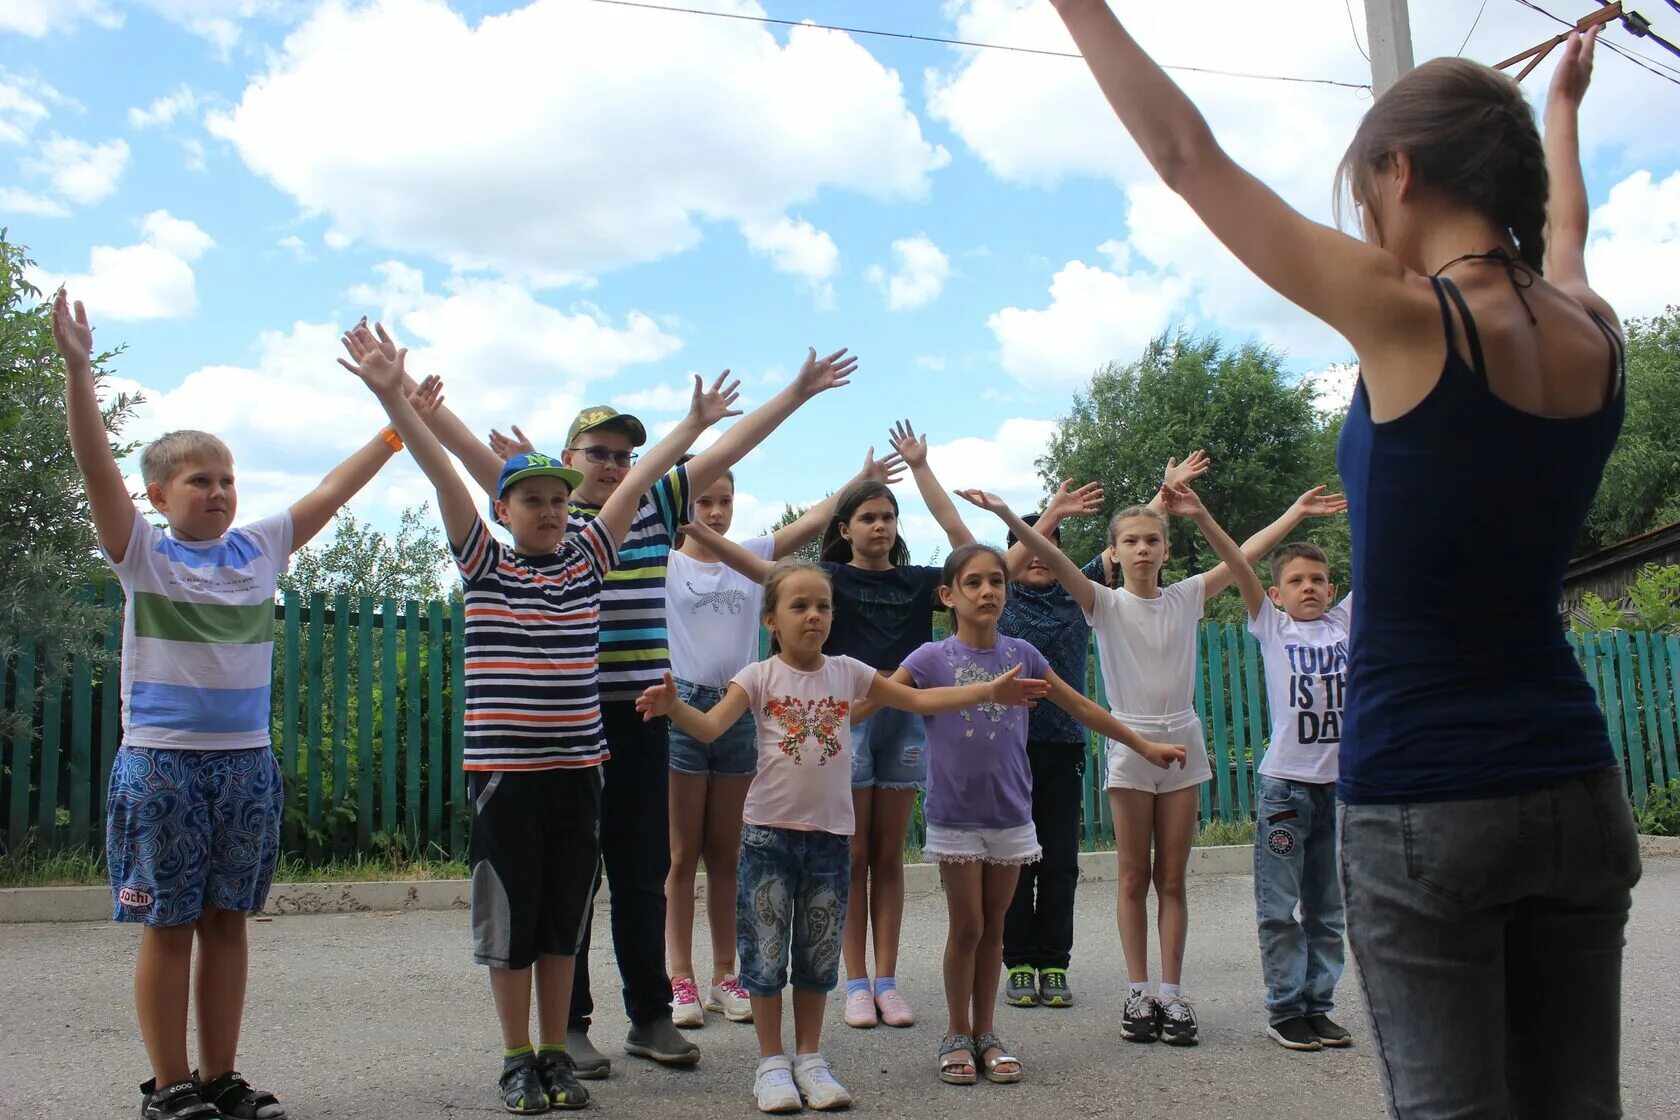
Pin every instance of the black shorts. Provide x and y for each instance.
(535, 843)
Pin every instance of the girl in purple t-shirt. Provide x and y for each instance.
(979, 801)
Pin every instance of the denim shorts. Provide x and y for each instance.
(733, 754)
(790, 893)
(187, 829)
(889, 751)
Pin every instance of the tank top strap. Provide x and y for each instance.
(1477, 364)
(1618, 357)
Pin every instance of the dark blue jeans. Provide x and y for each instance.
(1489, 936)
(1295, 866)
(790, 908)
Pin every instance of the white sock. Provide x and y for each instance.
(1140, 985)
(1169, 991)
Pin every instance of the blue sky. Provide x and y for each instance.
(565, 202)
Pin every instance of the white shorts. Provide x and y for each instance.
(986, 845)
(1128, 769)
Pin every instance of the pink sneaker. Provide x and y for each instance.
(685, 1003)
(860, 1009)
(894, 1011)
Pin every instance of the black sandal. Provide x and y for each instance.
(235, 1099)
(559, 1076)
(177, 1101)
(523, 1092)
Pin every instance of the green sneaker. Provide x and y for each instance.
(1053, 990)
(1022, 988)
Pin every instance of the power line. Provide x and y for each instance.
(1353, 27)
(964, 42)
(1473, 25)
(1638, 60)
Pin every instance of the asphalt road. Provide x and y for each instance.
(384, 1017)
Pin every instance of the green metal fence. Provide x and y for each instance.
(368, 729)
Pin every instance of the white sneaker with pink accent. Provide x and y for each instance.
(685, 1003)
(730, 1000)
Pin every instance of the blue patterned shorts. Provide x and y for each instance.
(790, 893)
(188, 829)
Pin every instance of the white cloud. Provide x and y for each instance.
(165, 109)
(294, 245)
(1633, 253)
(920, 275)
(36, 18)
(1333, 386)
(725, 123)
(1094, 316)
(658, 398)
(934, 362)
(1002, 464)
(219, 21)
(149, 280)
(23, 105)
(80, 171)
(194, 150)
(799, 248)
(15, 201)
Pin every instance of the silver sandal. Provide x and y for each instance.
(949, 1066)
(988, 1042)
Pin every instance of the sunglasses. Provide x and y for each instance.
(604, 455)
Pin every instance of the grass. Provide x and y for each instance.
(79, 867)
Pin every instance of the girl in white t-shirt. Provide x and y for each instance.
(1146, 647)
(798, 817)
(712, 613)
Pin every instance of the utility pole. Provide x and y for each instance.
(1389, 30)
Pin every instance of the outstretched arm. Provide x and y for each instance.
(1314, 503)
(1353, 286)
(1092, 715)
(817, 375)
(113, 510)
(796, 534)
(707, 408)
(1067, 573)
(1065, 503)
(311, 512)
(1009, 689)
(1195, 465)
(869, 705)
(755, 568)
(661, 700)
(914, 450)
(1566, 205)
(384, 375)
(1183, 502)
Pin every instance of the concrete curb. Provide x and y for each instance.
(93, 904)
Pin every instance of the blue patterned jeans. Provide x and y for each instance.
(790, 901)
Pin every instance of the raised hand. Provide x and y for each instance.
(1012, 690)
(657, 700)
(1195, 465)
(381, 372)
(1181, 501)
(72, 333)
(1316, 503)
(910, 446)
(711, 405)
(819, 375)
(507, 448)
(1066, 502)
(427, 396)
(1163, 754)
(991, 503)
(886, 470)
(1574, 68)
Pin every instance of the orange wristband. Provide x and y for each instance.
(391, 437)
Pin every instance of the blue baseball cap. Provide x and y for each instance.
(534, 464)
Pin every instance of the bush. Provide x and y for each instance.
(1660, 815)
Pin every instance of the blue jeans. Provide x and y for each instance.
(1489, 935)
(889, 751)
(790, 892)
(734, 754)
(1295, 865)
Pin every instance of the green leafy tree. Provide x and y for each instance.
(1641, 489)
(360, 560)
(812, 549)
(49, 556)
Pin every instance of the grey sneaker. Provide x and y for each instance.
(1053, 990)
(1021, 990)
(589, 1063)
(661, 1041)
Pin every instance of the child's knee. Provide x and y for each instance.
(222, 925)
(1134, 883)
(1169, 882)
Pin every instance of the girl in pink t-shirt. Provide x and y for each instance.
(795, 865)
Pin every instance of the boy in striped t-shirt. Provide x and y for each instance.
(535, 743)
(193, 828)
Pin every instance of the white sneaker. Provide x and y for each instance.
(685, 1003)
(730, 1000)
(773, 1087)
(816, 1083)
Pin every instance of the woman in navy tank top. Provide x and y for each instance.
(1488, 849)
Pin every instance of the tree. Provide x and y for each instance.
(1641, 489)
(1187, 392)
(49, 556)
(360, 560)
(812, 549)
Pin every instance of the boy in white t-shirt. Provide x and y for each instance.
(1304, 642)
